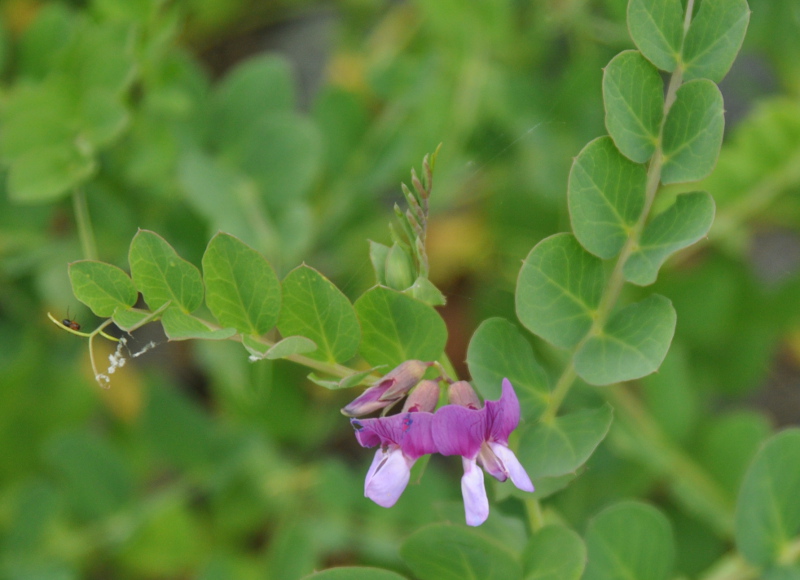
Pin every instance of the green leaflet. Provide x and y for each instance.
(313, 307)
(680, 226)
(161, 275)
(633, 95)
(630, 540)
(606, 195)
(242, 289)
(714, 39)
(559, 289)
(447, 552)
(656, 27)
(693, 132)
(498, 350)
(554, 553)
(181, 326)
(768, 509)
(397, 328)
(563, 445)
(632, 344)
(102, 287)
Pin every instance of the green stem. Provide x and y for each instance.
(85, 232)
(535, 516)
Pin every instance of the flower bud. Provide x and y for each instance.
(423, 398)
(390, 389)
(462, 394)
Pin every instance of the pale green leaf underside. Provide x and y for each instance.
(397, 328)
(558, 290)
(714, 38)
(242, 289)
(554, 553)
(289, 346)
(102, 287)
(129, 318)
(313, 307)
(181, 326)
(161, 275)
(606, 194)
(680, 226)
(631, 541)
(633, 343)
(693, 132)
(768, 508)
(498, 350)
(563, 445)
(447, 552)
(656, 27)
(633, 94)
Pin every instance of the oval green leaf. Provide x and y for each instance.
(446, 552)
(714, 38)
(313, 307)
(680, 226)
(633, 95)
(130, 319)
(289, 346)
(161, 275)
(629, 540)
(632, 345)
(693, 132)
(656, 27)
(242, 289)
(768, 508)
(397, 328)
(498, 350)
(561, 446)
(606, 194)
(102, 287)
(181, 326)
(554, 553)
(559, 289)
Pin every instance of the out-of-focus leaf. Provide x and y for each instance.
(447, 552)
(554, 553)
(768, 509)
(629, 540)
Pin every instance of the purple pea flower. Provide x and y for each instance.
(480, 435)
(403, 438)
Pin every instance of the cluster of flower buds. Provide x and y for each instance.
(478, 433)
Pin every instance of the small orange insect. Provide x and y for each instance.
(69, 323)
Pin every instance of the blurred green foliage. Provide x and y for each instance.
(197, 463)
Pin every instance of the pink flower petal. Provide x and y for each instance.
(387, 477)
(410, 431)
(459, 431)
(513, 467)
(476, 504)
(503, 414)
